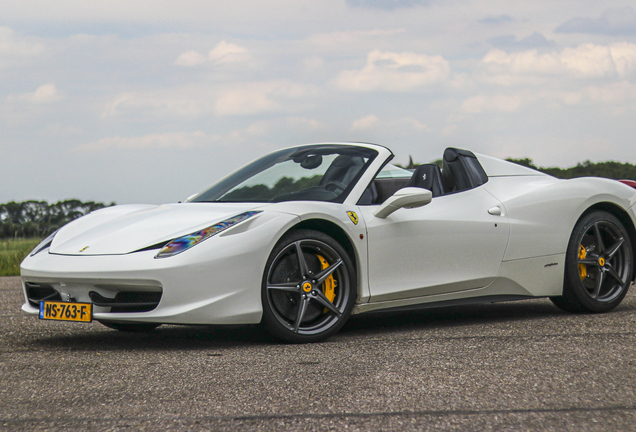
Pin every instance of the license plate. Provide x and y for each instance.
(65, 311)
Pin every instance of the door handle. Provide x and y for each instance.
(495, 211)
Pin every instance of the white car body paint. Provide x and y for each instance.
(458, 247)
(427, 250)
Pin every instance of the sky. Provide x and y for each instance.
(150, 101)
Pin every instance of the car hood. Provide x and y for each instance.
(128, 228)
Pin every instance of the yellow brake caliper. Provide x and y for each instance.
(329, 285)
(582, 267)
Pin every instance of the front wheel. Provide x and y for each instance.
(599, 264)
(309, 287)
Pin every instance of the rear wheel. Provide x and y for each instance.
(309, 287)
(130, 327)
(599, 265)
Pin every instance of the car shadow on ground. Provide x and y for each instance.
(467, 316)
(170, 337)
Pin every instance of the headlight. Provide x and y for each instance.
(44, 244)
(181, 244)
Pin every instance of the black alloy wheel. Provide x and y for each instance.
(309, 287)
(598, 265)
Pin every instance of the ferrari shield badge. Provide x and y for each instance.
(353, 216)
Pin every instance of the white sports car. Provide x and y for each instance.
(304, 237)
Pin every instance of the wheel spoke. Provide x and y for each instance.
(599, 239)
(599, 283)
(301, 313)
(588, 261)
(322, 299)
(323, 275)
(304, 269)
(286, 286)
(615, 275)
(615, 247)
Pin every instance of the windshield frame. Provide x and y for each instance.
(220, 188)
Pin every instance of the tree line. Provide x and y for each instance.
(609, 169)
(39, 218)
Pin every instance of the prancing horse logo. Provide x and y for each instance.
(307, 287)
(353, 216)
(83, 249)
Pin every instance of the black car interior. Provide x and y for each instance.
(341, 172)
(460, 171)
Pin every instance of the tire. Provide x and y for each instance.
(598, 265)
(309, 287)
(129, 327)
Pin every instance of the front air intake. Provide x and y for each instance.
(128, 301)
(37, 293)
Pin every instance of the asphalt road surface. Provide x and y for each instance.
(507, 366)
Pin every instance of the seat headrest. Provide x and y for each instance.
(341, 161)
(450, 155)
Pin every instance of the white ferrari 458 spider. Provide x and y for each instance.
(304, 237)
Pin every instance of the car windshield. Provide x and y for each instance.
(325, 172)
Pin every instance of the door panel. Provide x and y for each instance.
(451, 244)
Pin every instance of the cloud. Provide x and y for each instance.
(613, 22)
(60, 129)
(294, 125)
(401, 124)
(339, 39)
(497, 20)
(614, 94)
(196, 100)
(15, 50)
(190, 58)
(398, 72)
(498, 102)
(303, 124)
(583, 61)
(386, 4)
(535, 40)
(223, 53)
(178, 140)
(228, 53)
(254, 98)
(294, 128)
(414, 124)
(45, 94)
(619, 94)
(183, 101)
(364, 123)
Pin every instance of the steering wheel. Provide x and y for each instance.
(335, 186)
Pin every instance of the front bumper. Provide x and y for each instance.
(216, 282)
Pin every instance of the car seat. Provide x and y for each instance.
(427, 176)
(461, 171)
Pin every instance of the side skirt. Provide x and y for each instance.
(456, 302)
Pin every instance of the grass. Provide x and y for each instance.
(12, 252)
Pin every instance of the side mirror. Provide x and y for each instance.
(408, 197)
